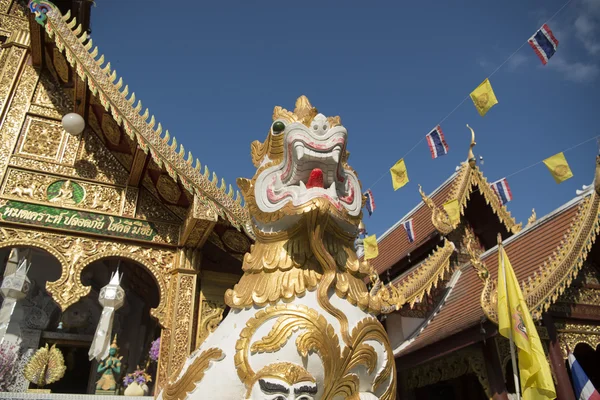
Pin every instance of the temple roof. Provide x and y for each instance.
(551, 267)
(394, 245)
(141, 127)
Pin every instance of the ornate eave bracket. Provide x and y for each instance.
(199, 223)
(102, 82)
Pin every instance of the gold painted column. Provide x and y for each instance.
(176, 338)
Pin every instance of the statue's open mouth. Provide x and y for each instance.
(311, 168)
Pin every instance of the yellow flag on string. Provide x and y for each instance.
(559, 167)
(514, 320)
(399, 174)
(371, 249)
(483, 97)
(453, 210)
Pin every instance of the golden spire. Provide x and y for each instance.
(114, 343)
(471, 159)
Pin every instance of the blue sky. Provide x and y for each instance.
(212, 73)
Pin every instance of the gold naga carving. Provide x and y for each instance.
(489, 294)
(317, 335)
(75, 253)
(439, 217)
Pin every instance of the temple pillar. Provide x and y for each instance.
(493, 368)
(564, 390)
(177, 335)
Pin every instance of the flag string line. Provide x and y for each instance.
(531, 166)
(469, 95)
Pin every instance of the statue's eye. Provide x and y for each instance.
(278, 127)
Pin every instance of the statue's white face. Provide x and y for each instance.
(276, 389)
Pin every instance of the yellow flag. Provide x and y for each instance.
(514, 316)
(453, 210)
(399, 174)
(371, 249)
(483, 97)
(558, 167)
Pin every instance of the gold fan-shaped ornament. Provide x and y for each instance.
(45, 367)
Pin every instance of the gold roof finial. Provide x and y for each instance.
(361, 227)
(533, 217)
(471, 159)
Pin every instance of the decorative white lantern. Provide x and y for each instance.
(112, 297)
(73, 123)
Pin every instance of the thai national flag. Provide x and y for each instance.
(544, 43)
(410, 232)
(502, 190)
(437, 142)
(370, 202)
(584, 390)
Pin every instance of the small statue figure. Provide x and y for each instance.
(65, 194)
(109, 367)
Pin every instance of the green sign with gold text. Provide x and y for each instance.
(80, 221)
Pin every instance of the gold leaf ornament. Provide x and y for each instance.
(46, 366)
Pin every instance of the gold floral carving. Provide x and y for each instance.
(236, 241)
(129, 202)
(152, 209)
(570, 335)
(75, 253)
(61, 66)
(50, 95)
(317, 335)
(168, 189)
(180, 389)
(580, 295)
(15, 115)
(11, 60)
(469, 360)
(42, 139)
(210, 315)
(115, 98)
(162, 374)
(111, 129)
(182, 317)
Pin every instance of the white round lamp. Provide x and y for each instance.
(73, 123)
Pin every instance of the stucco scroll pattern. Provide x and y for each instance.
(317, 335)
(75, 253)
(103, 83)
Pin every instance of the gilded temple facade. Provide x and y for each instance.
(122, 194)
